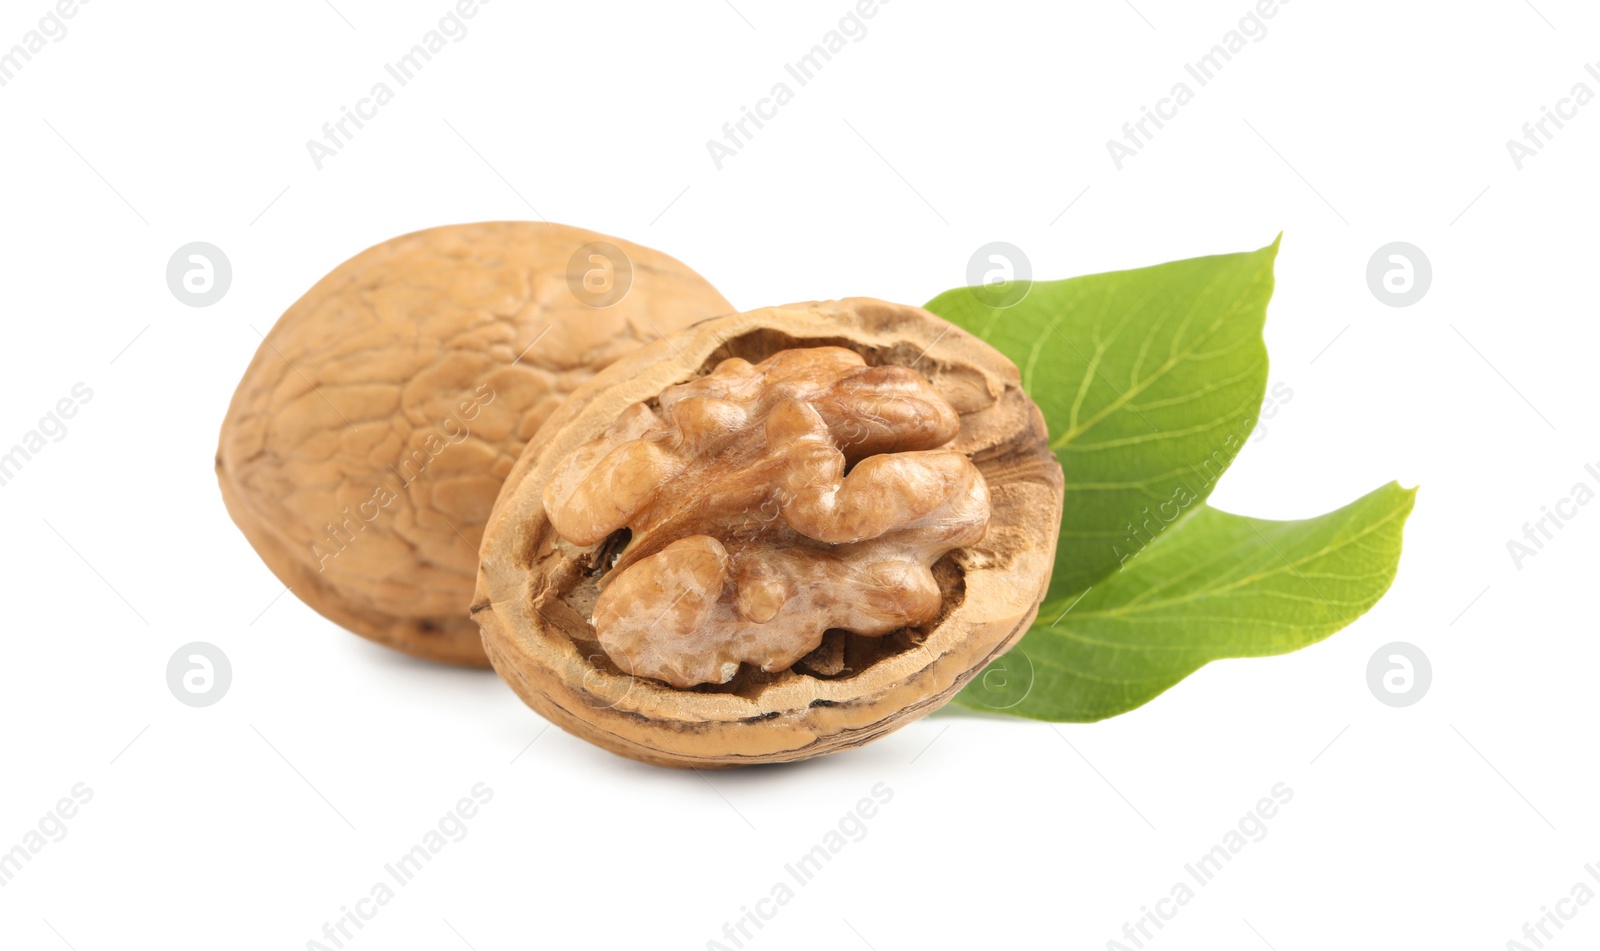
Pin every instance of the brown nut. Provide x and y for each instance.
(747, 540)
(370, 434)
(775, 535)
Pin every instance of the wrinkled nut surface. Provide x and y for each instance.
(774, 535)
(369, 437)
(747, 540)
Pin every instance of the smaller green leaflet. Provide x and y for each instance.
(1150, 381)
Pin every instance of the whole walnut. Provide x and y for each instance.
(773, 535)
(368, 439)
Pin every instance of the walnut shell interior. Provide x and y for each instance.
(752, 509)
(536, 590)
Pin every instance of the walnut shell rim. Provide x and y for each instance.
(537, 641)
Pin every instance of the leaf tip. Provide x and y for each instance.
(1410, 493)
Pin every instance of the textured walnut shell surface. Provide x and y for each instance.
(422, 365)
(534, 587)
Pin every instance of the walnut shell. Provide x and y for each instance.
(537, 590)
(368, 439)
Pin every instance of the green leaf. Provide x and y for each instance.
(1209, 586)
(1150, 380)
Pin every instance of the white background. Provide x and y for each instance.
(250, 823)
